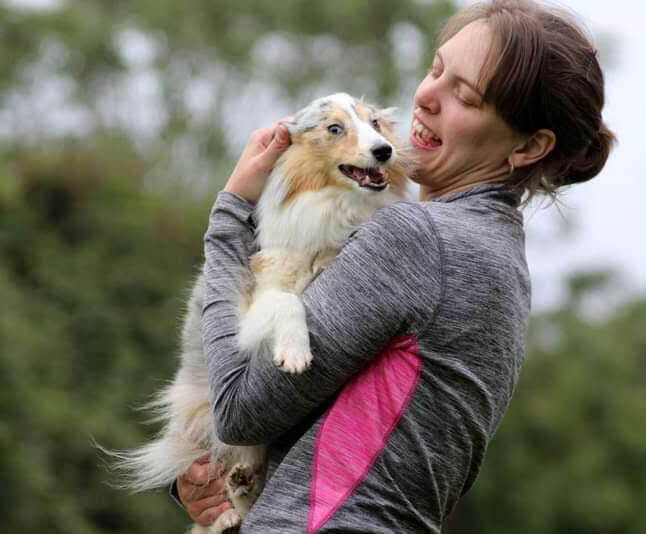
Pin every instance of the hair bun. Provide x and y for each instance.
(592, 159)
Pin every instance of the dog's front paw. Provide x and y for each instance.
(241, 480)
(228, 522)
(292, 359)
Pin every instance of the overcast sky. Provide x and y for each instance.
(609, 211)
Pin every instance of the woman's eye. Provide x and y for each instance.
(376, 125)
(335, 129)
(467, 100)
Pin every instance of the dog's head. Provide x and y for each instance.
(340, 141)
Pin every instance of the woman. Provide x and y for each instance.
(418, 329)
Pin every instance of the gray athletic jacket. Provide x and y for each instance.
(418, 334)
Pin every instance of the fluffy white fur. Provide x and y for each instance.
(301, 229)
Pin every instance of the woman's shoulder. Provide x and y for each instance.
(406, 219)
(399, 236)
(425, 225)
(483, 218)
(400, 230)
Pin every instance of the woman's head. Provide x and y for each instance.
(536, 72)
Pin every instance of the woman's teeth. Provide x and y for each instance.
(425, 133)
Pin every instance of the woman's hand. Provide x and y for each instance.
(202, 492)
(258, 158)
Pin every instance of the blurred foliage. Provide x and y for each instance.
(93, 273)
(118, 122)
(188, 81)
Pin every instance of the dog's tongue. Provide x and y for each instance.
(359, 174)
(367, 176)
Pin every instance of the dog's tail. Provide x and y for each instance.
(185, 437)
(154, 465)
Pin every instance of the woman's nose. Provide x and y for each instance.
(427, 95)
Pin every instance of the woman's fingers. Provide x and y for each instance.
(210, 515)
(200, 472)
(276, 145)
(258, 158)
(202, 478)
(207, 503)
(189, 492)
(204, 459)
(202, 491)
(265, 135)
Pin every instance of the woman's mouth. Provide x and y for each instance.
(423, 137)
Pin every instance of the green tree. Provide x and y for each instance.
(186, 82)
(93, 273)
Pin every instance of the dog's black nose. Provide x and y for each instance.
(382, 153)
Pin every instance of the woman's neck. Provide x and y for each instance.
(429, 190)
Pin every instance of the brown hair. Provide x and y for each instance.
(543, 72)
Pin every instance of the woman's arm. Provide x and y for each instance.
(387, 275)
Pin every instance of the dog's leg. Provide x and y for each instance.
(243, 487)
(291, 336)
(276, 313)
(278, 316)
(227, 523)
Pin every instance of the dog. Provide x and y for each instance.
(343, 164)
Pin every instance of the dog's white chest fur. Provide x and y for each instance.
(316, 220)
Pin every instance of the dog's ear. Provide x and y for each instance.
(309, 117)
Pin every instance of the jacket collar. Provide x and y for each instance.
(502, 192)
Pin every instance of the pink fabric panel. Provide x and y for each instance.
(358, 425)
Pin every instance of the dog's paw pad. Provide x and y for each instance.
(241, 479)
(293, 361)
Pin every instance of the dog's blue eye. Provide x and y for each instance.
(376, 125)
(335, 129)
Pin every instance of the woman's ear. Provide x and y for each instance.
(532, 149)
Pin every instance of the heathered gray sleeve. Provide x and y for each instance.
(371, 294)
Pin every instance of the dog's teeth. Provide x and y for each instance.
(360, 174)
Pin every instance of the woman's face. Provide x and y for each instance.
(458, 139)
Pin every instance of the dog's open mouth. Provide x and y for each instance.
(371, 177)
